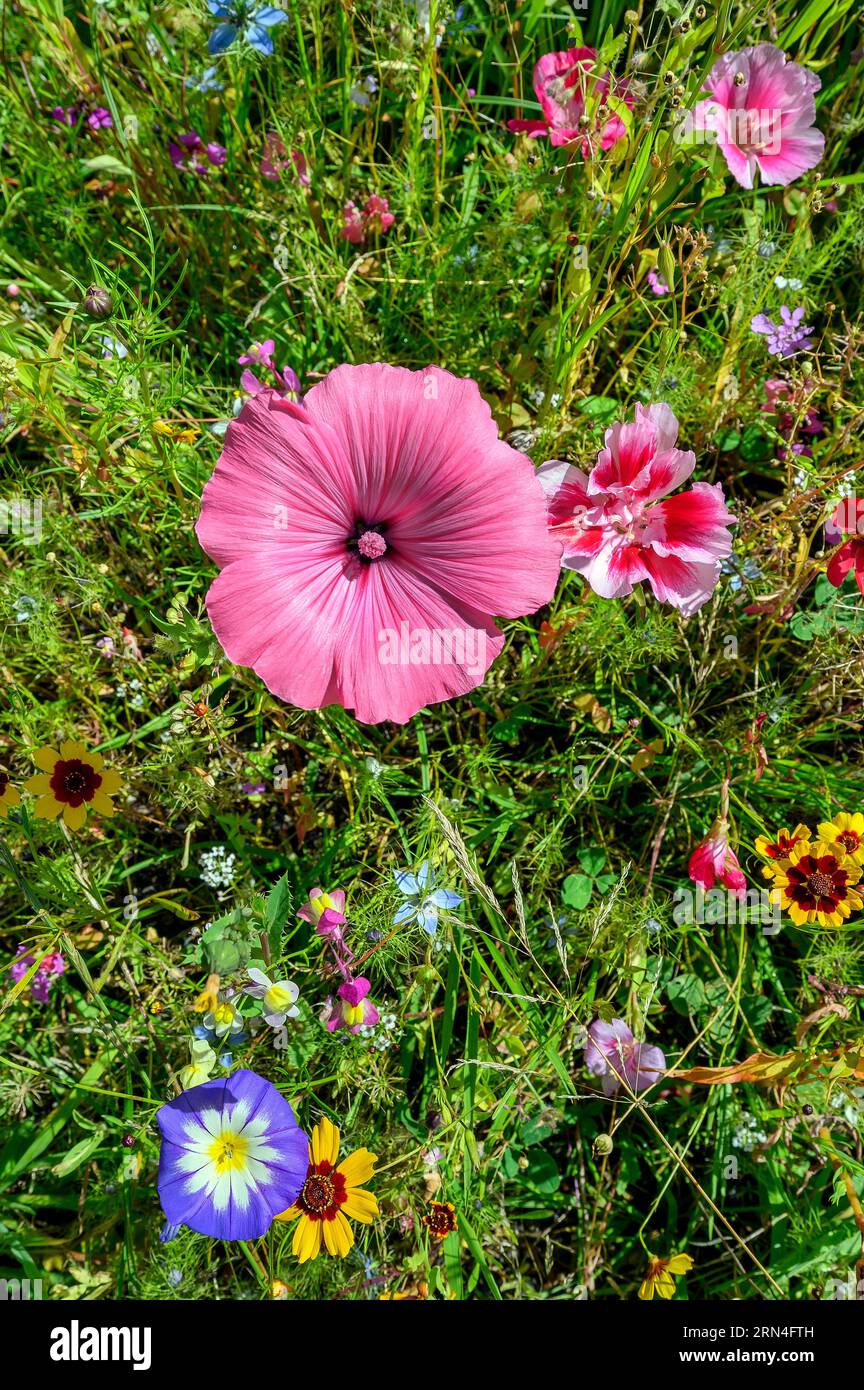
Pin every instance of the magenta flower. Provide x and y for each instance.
(373, 217)
(657, 283)
(563, 83)
(66, 115)
(788, 337)
(615, 530)
(100, 119)
(50, 967)
(276, 158)
(190, 152)
(351, 1008)
(848, 520)
(613, 1054)
(319, 901)
(284, 382)
(762, 111)
(713, 861)
(365, 538)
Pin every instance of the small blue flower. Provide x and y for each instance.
(243, 21)
(421, 905)
(205, 83)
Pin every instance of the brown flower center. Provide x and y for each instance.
(74, 782)
(317, 1193)
(820, 885)
(849, 840)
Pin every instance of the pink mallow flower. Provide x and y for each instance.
(351, 1008)
(565, 83)
(713, 861)
(614, 1054)
(762, 111)
(616, 531)
(385, 508)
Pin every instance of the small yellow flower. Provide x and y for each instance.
(278, 1290)
(9, 795)
(777, 851)
(183, 436)
(331, 1193)
(847, 832)
(69, 782)
(660, 1277)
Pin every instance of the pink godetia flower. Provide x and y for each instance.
(373, 217)
(762, 110)
(351, 1009)
(614, 1054)
(284, 381)
(568, 89)
(713, 861)
(848, 520)
(366, 537)
(276, 158)
(616, 531)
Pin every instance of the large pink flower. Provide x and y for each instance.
(713, 861)
(615, 530)
(564, 83)
(762, 110)
(366, 536)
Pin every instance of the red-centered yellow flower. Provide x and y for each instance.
(779, 849)
(71, 781)
(816, 885)
(847, 832)
(660, 1277)
(9, 795)
(440, 1219)
(330, 1194)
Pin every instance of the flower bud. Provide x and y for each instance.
(98, 302)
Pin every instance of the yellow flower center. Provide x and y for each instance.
(228, 1152)
(276, 999)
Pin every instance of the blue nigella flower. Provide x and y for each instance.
(422, 898)
(205, 83)
(243, 20)
(232, 1158)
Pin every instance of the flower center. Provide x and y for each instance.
(368, 542)
(73, 781)
(228, 1152)
(317, 1194)
(820, 885)
(849, 840)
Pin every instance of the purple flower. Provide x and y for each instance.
(217, 154)
(49, 967)
(285, 383)
(232, 1157)
(276, 158)
(613, 1054)
(787, 338)
(192, 144)
(100, 119)
(66, 115)
(657, 283)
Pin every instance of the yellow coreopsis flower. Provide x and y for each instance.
(331, 1193)
(71, 781)
(9, 795)
(816, 885)
(660, 1279)
(778, 849)
(847, 832)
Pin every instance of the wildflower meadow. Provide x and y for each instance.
(432, 538)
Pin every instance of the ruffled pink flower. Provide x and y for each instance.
(373, 217)
(353, 228)
(615, 530)
(563, 82)
(351, 1008)
(762, 110)
(713, 861)
(365, 538)
(614, 1054)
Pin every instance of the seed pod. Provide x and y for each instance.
(603, 1145)
(98, 302)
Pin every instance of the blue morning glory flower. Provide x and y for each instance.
(422, 898)
(241, 19)
(232, 1158)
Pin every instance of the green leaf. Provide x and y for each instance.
(78, 1154)
(577, 890)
